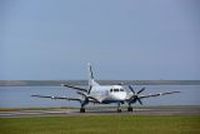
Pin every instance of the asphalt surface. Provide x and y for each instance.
(162, 110)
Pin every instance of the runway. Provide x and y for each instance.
(95, 111)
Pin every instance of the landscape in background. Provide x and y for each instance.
(103, 82)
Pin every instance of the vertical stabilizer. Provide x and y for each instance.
(91, 81)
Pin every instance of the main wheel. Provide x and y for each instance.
(130, 109)
(82, 110)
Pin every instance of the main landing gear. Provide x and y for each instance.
(130, 109)
(119, 110)
(82, 110)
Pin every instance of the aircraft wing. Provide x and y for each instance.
(157, 94)
(75, 87)
(56, 97)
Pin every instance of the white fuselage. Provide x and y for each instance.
(109, 94)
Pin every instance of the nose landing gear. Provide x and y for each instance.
(119, 110)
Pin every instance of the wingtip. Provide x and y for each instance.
(177, 91)
(33, 95)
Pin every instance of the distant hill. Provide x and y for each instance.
(103, 82)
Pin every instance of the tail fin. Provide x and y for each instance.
(91, 81)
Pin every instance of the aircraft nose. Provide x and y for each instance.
(122, 96)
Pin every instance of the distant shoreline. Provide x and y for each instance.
(103, 82)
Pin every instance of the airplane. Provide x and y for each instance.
(106, 94)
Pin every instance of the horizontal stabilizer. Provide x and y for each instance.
(75, 87)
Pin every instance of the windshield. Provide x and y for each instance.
(117, 90)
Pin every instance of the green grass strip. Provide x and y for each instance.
(116, 124)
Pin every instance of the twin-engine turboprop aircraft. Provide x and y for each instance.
(104, 94)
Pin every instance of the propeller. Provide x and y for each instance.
(87, 97)
(135, 97)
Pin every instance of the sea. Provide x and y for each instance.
(20, 96)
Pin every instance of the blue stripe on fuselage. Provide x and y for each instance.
(112, 101)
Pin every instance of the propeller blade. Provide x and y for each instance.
(90, 97)
(89, 90)
(80, 93)
(140, 101)
(141, 90)
(131, 88)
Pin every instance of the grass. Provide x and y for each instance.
(116, 124)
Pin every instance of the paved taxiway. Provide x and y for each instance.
(163, 110)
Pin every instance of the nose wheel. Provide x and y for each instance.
(119, 110)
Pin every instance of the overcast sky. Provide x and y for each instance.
(123, 39)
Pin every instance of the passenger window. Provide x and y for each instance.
(122, 90)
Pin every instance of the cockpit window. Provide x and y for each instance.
(116, 90)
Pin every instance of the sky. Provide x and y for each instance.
(122, 39)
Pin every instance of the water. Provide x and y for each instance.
(19, 96)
